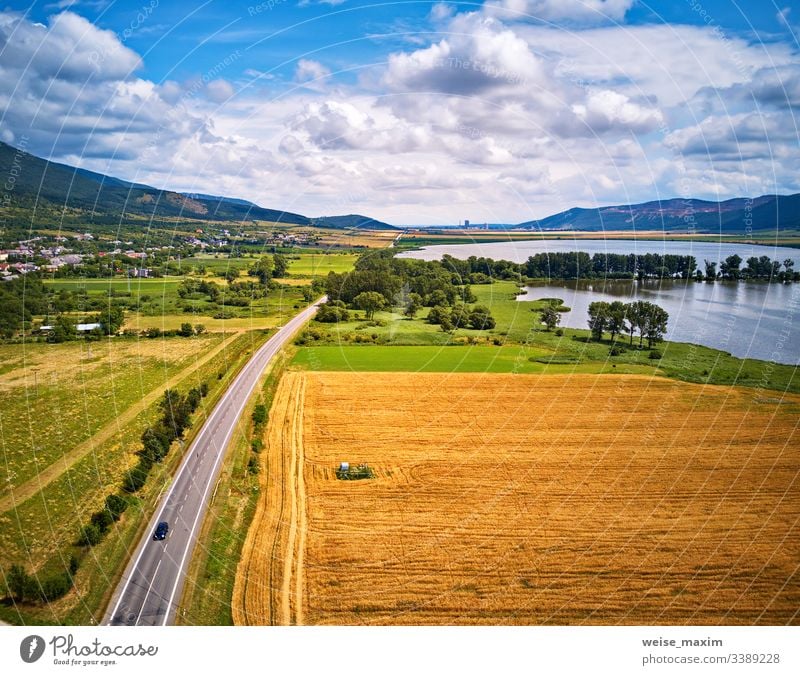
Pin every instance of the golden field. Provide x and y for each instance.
(512, 499)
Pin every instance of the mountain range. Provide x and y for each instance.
(732, 216)
(42, 184)
(52, 186)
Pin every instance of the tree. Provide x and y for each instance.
(729, 268)
(616, 318)
(413, 305)
(280, 265)
(259, 414)
(89, 535)
(231, 275)
(711, 270)
(480, 318)
(370, 302)
(599, 318)
(263, 269)
(637, 318)
(186, 330)
(111, 319)
(199, 329)
(438, 314)
(550, 317)
(63, 329)
(656, 319)
(116, 505)
(17, 582)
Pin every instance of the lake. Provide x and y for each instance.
(748, 319)
(520, 251)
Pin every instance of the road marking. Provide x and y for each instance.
(147, 595)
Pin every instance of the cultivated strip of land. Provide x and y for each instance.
(28, 489)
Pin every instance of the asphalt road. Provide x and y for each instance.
(151, 587)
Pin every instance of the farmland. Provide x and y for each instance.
(580, 499)
(72, 416)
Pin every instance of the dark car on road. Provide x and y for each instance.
(161, 530)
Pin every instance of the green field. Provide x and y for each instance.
(451, 359)
(517, 330)
(40, 531)
(319, 264)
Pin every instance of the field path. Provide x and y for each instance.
(270, 580)
(57, 468)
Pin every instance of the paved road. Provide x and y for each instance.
(152, 584)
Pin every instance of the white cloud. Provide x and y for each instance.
(219, 91)
(578, 11)
(308, 70)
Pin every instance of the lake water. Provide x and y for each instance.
(748, 319)
(520, 251)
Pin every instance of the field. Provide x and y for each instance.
(513, 499)
(71, 421)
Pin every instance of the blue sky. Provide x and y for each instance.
(507, 109)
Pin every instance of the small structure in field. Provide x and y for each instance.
(357, 472)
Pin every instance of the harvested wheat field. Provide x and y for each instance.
(508, 499)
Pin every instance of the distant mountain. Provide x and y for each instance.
(732, 216)
(41, 183)
(230, 200)
(352, 221)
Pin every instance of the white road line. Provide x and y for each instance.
(147, 595)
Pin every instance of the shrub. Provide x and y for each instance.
(116, 505)
(102, 520)
(616, 351)
(560, 332)
(256, 445)
(654, 354)
(136, 477)
(259, 414)
(252, 465)
(90, 535)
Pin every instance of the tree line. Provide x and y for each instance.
(572, 265)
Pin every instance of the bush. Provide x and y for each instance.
(256, 445)
(252, 465)
(616, 350)
(90, 535)
(560, 332)
(654, 354)
(102, 520)
(116, 505)
(136, 477)
(259, 414)
(55, 586)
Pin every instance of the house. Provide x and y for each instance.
(140, 272)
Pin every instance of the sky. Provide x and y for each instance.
(412, 112)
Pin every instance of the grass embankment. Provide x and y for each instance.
(210, 581)
(40, 533)
(524, 346)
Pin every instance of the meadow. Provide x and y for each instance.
(96, 415)
(394, 342)
(502, 499)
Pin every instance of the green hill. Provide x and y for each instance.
(53, 187)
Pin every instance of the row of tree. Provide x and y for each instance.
(618, 317)
(581, 265)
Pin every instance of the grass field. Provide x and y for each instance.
(40, 531)
(503, 499)
(319, 264)
(337, 346)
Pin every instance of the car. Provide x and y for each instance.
(161, 530)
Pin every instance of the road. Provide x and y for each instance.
(153, 582)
